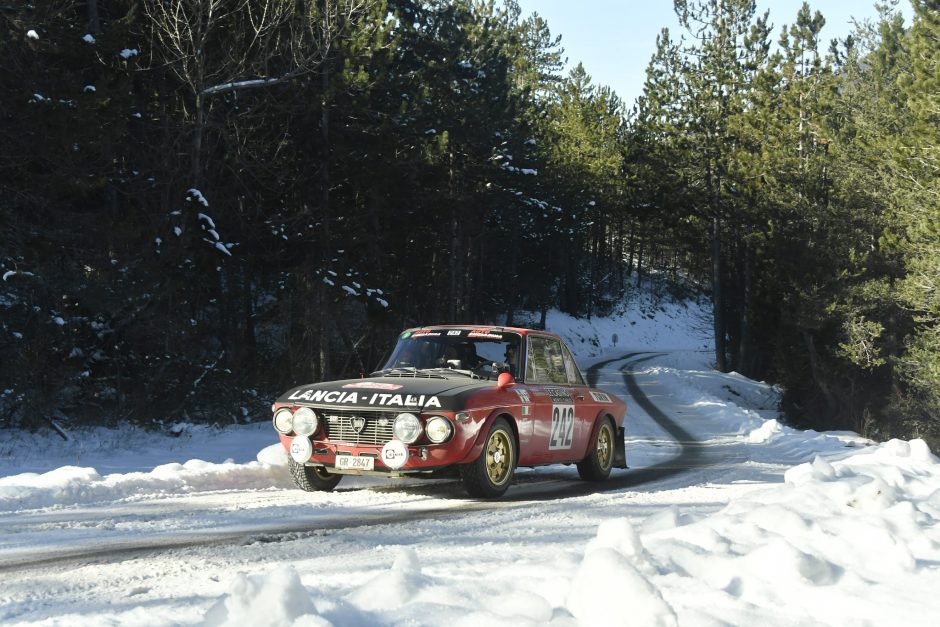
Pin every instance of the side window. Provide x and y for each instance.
(536, 364)
(571, 368)
(546, 362)
(558, 373)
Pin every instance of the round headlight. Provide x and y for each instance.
(438, 429)
(407, 428)
(305, 421)
(283, 420)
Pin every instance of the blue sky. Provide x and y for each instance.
(616, 38)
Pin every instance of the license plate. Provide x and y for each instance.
(354, 462)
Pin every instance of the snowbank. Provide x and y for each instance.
(69, 485)
(275, 599)
(612, 585)
(836, 544)
(130, 448)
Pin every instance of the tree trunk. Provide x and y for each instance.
(513, 277)
(195, 172)
(325, 153)
(325, 332)
(453, 261)
(322, 308)
(249, 342)
(632, 249)
(639, 263)
(618, 261)
(592, 272)
(831, 404)
(744, 359)
(94, 24)
(299, 343)
(718, 297)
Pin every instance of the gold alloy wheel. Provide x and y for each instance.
(499, 457)
(604, 446)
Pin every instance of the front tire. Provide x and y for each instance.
(491, 473)
(596, 466)
(312, 478)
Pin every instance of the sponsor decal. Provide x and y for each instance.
(485, 333)
(335, 397)
(406, 335)
(523, 395)
(525, 410)
(404, 400)
(558, 395)
(368, 385)
(301, 449)
(394, 454)
(600, 397)
(325, 396)
(425, 334)
(454, 332)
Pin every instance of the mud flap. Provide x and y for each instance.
(620, 450)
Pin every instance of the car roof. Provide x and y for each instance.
(488, 327)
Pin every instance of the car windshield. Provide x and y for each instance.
(457, 349)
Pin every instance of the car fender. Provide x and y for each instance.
(484, 429)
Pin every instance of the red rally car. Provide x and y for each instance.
(481, 399)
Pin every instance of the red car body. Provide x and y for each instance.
(552, 415)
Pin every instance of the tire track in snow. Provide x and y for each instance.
(690, 449)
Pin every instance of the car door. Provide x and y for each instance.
(559, 431)
(586, 405)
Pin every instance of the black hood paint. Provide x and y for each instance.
(388, 393)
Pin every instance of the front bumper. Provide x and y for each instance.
(422, 458)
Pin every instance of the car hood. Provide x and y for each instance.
(389, 393)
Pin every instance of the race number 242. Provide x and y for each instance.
(562, 427)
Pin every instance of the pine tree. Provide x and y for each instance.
(585, 162)
(918, 159)
(715, 75)
(655, 160)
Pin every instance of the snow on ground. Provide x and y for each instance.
(752, 523)
(643, 322)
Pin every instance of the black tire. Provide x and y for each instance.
(596, 466)
(491, 473)
(312, 478)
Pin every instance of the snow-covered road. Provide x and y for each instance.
(702, 530)
(137, 526)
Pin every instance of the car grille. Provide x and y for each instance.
(376, 426)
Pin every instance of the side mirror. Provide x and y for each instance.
(504, 381)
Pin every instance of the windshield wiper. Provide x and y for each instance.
(465, 373)
(396, 370)
(406, 371)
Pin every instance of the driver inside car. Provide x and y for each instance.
(468, 356)
(510, 359)
(462, 356)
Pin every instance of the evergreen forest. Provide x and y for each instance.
(204, 202)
